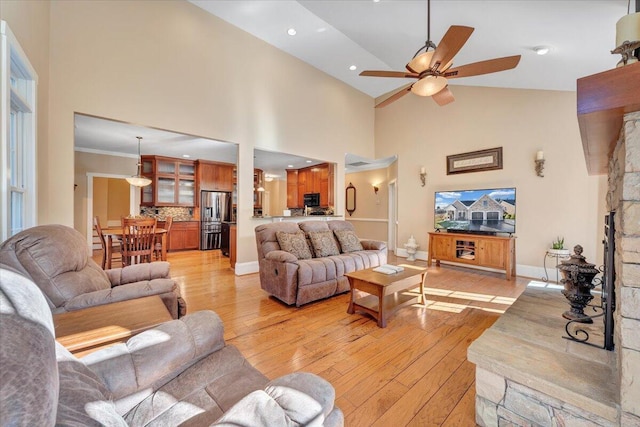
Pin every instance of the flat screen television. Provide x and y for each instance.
(488, 211)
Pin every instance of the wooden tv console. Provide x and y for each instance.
(474, 250)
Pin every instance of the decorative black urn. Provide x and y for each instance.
(577, 278)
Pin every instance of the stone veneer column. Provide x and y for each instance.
(624, 198)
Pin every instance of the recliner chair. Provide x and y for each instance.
(57, 259)
(179, 373)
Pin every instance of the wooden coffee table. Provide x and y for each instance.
(87, 330)
(387, 291)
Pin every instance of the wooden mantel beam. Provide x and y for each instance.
(603, 100)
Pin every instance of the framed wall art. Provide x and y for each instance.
(475, 161)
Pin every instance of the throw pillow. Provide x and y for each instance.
(324, 244)
(294, 243)
(348, 240)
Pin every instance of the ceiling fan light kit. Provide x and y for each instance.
(421, 62)
(429, 86)
(432, 68)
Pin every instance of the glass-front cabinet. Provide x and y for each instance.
(173, 181)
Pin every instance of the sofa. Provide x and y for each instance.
(179, 373)
(57, 259)
(305, 261)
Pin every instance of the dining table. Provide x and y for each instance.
(116, 232)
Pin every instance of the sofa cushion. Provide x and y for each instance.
(316, 270)
(84, 400)
(294, 243)
(348, 240)
(29, 374)
(200, 394)
(56, 258)
(323, 243)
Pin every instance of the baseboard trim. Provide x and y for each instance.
(243, 268)
(522, 270)
(422, 255)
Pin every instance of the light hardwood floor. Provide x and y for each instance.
(414, 372)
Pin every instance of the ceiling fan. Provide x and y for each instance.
(432, 68)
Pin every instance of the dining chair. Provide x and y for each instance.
(115, 250)
(157, 250)
(138, 239)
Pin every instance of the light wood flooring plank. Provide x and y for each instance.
(413, 372)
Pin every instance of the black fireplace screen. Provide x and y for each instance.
(608, 281)
(607, 306)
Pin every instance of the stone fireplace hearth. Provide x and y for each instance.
(527, 375)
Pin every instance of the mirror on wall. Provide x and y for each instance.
(289, 184)
(350, 199)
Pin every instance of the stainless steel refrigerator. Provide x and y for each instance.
(215, 207)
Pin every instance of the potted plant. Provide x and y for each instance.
(557, 247)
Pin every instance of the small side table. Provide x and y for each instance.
(558, 254)
(89, 329)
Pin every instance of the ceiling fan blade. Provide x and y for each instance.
(401, 74)
(443, 97)
(483, 67)
(399, 94)
(453, 40)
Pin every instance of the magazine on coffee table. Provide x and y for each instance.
(388, 269)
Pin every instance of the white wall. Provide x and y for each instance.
(566, 202)
(173, 66)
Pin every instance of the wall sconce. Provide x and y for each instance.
(375, 189)
(540, 163)
(423, 176)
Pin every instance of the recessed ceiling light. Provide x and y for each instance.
(289, 166)
(376, 1)
(541, 50)
(291, 31)
(308, 161)
(353, 68)
(186, 156)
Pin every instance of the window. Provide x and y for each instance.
(18, 141)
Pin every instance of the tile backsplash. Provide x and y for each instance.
(161, 212)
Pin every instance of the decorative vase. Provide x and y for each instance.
(577, 278)
(411, 246)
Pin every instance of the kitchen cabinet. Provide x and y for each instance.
(258, 181)
(314, 179)
(292, 188)
(224, 238)
(172, 182)
(475, 250)
(184, 235)
(214, 176)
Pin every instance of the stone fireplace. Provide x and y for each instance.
(528, 375)
(624, 198)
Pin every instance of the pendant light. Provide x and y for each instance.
(139, 180)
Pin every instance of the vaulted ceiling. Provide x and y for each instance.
(333, 35)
